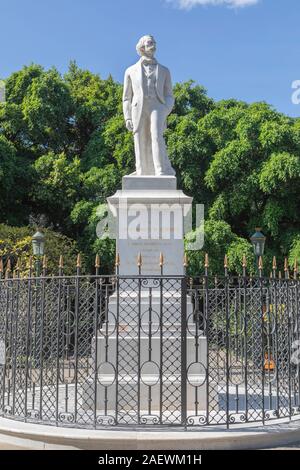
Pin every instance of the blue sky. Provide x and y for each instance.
(248, 52)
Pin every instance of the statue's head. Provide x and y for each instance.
(146, 46)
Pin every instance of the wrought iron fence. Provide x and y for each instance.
(106, 351)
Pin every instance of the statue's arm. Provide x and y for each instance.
(168, 92)
(127, 96)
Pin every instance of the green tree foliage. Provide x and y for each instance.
(64, 149)
(295, 251)
(8, 171)
(220, 240)
(16, 244)
(58, 185)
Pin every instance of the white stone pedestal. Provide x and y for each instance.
(133, 388)
(150, 220)
(142, 364)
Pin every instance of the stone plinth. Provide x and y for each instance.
(143, 360)
(150, 220)
(144, 183)
(141, 379)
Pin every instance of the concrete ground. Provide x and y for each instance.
(295, 446)
(279, 435)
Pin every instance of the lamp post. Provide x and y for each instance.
(38, 247)
(258, 241)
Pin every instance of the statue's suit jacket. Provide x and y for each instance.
(134, 88)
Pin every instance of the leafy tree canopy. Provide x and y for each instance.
(64, 149)
(16, 244)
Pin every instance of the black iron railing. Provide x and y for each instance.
(105, 351)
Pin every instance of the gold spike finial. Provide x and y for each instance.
(206, 261)
(78, 262)
(117, 261)
(260, 263)
(1, 265)
(185, 261)
(286, 265)
(274, 263)
(45, 262)
(161, 259)
(17, 269)
(8, 266)
(244, 261)
(296, 266)
(225, 262)
(139, 260)
(97, 261)
(61, 262)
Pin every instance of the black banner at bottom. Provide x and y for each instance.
(136, 459)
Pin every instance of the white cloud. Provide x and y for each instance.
(188, 4)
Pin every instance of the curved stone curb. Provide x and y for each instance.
(18, 435)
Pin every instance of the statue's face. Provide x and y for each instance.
(149, 47)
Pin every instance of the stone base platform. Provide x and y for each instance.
(169, 384)
(23, 436)
(134, 182)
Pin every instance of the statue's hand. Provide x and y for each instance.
(129, 125)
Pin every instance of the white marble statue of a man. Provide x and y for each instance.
(147, 101)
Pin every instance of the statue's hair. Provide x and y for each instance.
(141, 43)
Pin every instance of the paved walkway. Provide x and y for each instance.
(37, 436)
(295, 446)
